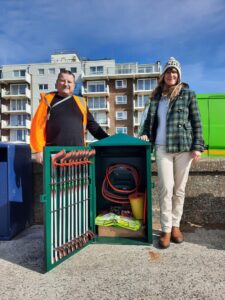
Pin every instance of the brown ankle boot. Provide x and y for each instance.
(164, 239)
(176, 235)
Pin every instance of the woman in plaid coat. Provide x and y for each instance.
(173, 124)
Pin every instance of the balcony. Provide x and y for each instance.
(10, 125)
(100, 109)
(26, 141)
(101, 92)
(9, 77)
(8, 94)
(142, 91)
(6, 139)
(125, 71)
(9, 110)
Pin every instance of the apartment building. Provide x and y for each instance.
(15, 84)
(116, 93)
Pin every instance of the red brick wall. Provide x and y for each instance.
(121, 107)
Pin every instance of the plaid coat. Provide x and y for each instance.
(184, 129)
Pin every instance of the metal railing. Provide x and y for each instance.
(123, 69)
(9, 76)
(7, 93)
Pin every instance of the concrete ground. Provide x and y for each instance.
(194, 269)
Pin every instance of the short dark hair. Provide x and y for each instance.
(65, 72)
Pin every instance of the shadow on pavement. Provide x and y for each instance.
(211, 236)
(26, 249)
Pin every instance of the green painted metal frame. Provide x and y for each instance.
(149, 194)
(46, 199)
(117, 141)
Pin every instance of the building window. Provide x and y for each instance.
(73, 70)
(18, 89)
(51, 71)
(142, 100)
(96, 86)
(21, 135)
(121, 84)
(121, 99)
(96, 102)
(96, 70)
(19, 73)
(19, 104)
(121, 115)
(62, 69)
(18, 135)
(121, 130)
(43, 87)
(146, 84)
(18, 120)
(41, 71)
(100, 117)
(13, 105)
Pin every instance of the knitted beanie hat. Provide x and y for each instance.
(173, 63)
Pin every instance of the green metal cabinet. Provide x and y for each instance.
(72, 193)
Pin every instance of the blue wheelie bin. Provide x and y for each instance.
(15, 189)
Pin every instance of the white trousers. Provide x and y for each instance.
(173, 170)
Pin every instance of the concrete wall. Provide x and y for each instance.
(205, 193)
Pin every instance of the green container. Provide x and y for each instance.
(73, 193)
(116, 150)
(212, 110)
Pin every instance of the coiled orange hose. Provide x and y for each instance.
(124, 194)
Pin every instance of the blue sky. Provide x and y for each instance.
(143, 31)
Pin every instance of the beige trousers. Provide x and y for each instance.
(173, 170)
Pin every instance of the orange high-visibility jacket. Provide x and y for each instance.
(38, 125)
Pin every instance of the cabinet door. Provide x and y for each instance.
(67, 187)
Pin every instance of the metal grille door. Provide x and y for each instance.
(68, 189)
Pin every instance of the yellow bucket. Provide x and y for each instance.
(137, 205)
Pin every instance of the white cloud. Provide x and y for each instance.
(128, 30)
